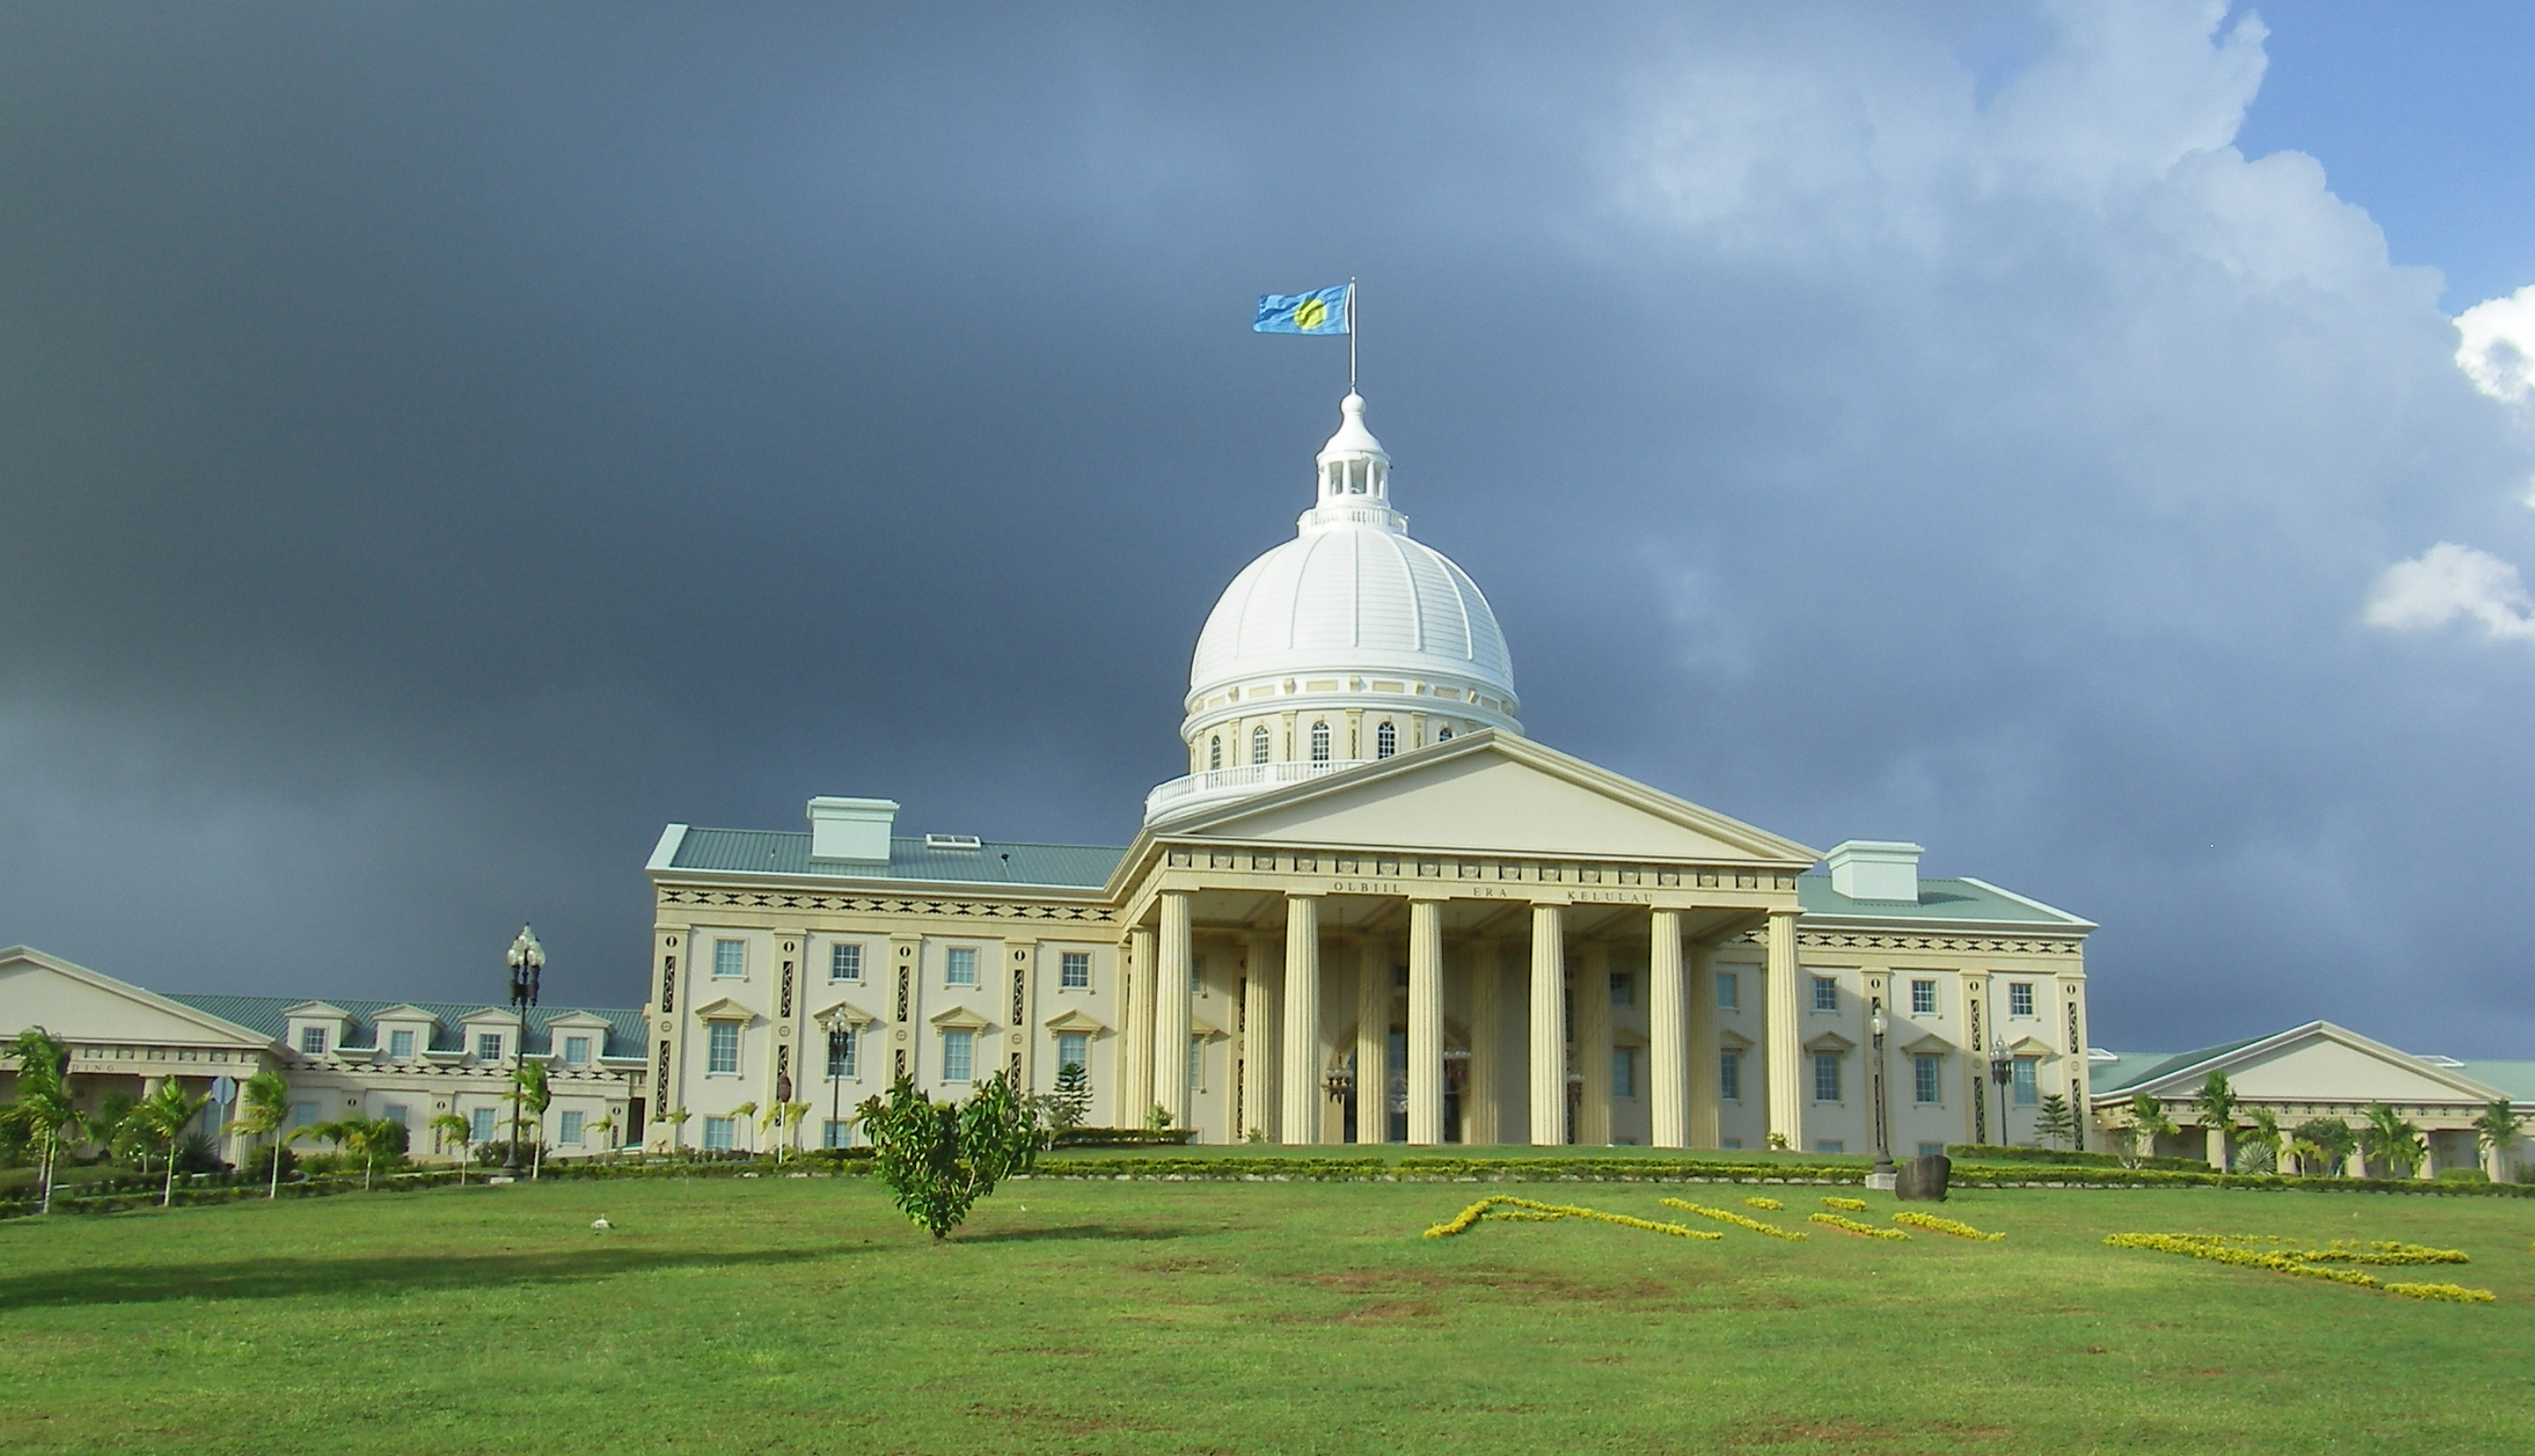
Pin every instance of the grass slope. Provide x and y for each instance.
(793, 1315)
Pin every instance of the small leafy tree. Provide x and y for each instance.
(2386, 1138)
(264, 1105)
(940, 1157)
(2497, 1130)
(2217, 1103)
(162, 1117)
(2326, 1140)
(453, 1132)
(534, 1093)
(42, 1112)
(2055, 1121)
(2147, 1123)
(1157, 1119)
(2258, 1150)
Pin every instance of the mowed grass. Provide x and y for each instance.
(805, 1316)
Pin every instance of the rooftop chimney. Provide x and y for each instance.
(1877, 869)
(851, 829)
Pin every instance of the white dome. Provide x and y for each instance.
(1351, 598)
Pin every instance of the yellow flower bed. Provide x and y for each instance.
(1529, 1211)
(1763, 1203)
(1727, 1216)
(1936, 1225)
(2313, 1262)
(1852, 1226)
(1846, 1205)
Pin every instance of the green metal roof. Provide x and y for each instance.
(2135, 1069)
(1939, 899)
(626, 1035)
(993, 862)
(2516, 1079)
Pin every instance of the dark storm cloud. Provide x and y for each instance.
(445, 445)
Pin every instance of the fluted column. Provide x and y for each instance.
(1593, 1045)
(1548, 1025)
(1171, 972)
(1259, 1041)
(1425, 1022)
(1667, 1034)
(1301, 1120)
(1786, 1079)
(1705, 1054)
(1135, 1031)
(1371, 1041)
(1487, 1029)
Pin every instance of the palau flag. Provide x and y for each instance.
(1324, 312)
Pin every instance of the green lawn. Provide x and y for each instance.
(782, 1314)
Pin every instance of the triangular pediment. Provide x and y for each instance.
(960, 1019)
(2324, 1063)
(722, 1009)
(1493, 794)
(845, 1012)
(1076, 1020)
(1930, 1045)
(317, 1010)
(403, 1012)
(79, 1004)
(490, 1013)
(1830, 1041)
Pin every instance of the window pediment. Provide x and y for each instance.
(1075, 1022)
(1830, 1041)
(960, 1019)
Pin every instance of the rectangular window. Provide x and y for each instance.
(721, 1049)
(1729, 1076)
(1830, 1145)
(1623, 989)
(570, 1134)
(1825, 1077)
(841, 1055)
(1923, 998)
(2019, 997)
(2028, 1090)
(1731, 1142)
(1923, 1086)
(576, 1050)
(1196, 1064)
(488, 1046)
(401, 1046)
(844, 963)
(1074, 1049)
(479, 1124)
(1826, 994)
(717, 1135)
(962, 967)
(1932, 1150)
(958, 1053)
(1729, 991)
(835, 1134)
(730, 959)
(1623, 1072)
(1075, 971)
(311, 1041)
(391, 1113)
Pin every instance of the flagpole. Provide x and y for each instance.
(1350, 322)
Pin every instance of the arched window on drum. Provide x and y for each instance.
(1319, 743)
(1259, 744)
(1385, 741)
(1214, 752)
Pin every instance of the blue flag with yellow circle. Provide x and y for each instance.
(1322, 312)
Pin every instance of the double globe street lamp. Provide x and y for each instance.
(1879, 1023)
(527, 959)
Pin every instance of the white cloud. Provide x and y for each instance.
(2448, 582)
(2498, 349)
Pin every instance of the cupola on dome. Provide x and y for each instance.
(1348, 644)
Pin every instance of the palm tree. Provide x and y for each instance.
(264, 1105)
(2148, 1122)
(451, 1129)
(677, 1120)
(366, 1138)
(740, 1114)
(2263, 1138)
(2216, 1102)
(43, 1111)
(605, 1127)
(531, 1090)
(2497, 1129)
(2389, 1138)
(2327, 1140)
(162, 1117)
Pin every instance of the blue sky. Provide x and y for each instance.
(448, 443)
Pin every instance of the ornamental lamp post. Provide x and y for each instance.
(2002, 1071)
(783, 1109)
(840, 1044)
(526, 959)
(1879, 1024)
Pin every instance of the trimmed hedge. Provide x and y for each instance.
(1987, 1153)
(1123, 1137)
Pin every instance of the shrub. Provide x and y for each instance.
(2463, 1175)
(940, 1157)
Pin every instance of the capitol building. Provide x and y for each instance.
(1370, 910)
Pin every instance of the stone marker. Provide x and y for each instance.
(1923, 1180)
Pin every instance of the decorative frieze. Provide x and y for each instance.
(1980, 944)
(857, 905)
